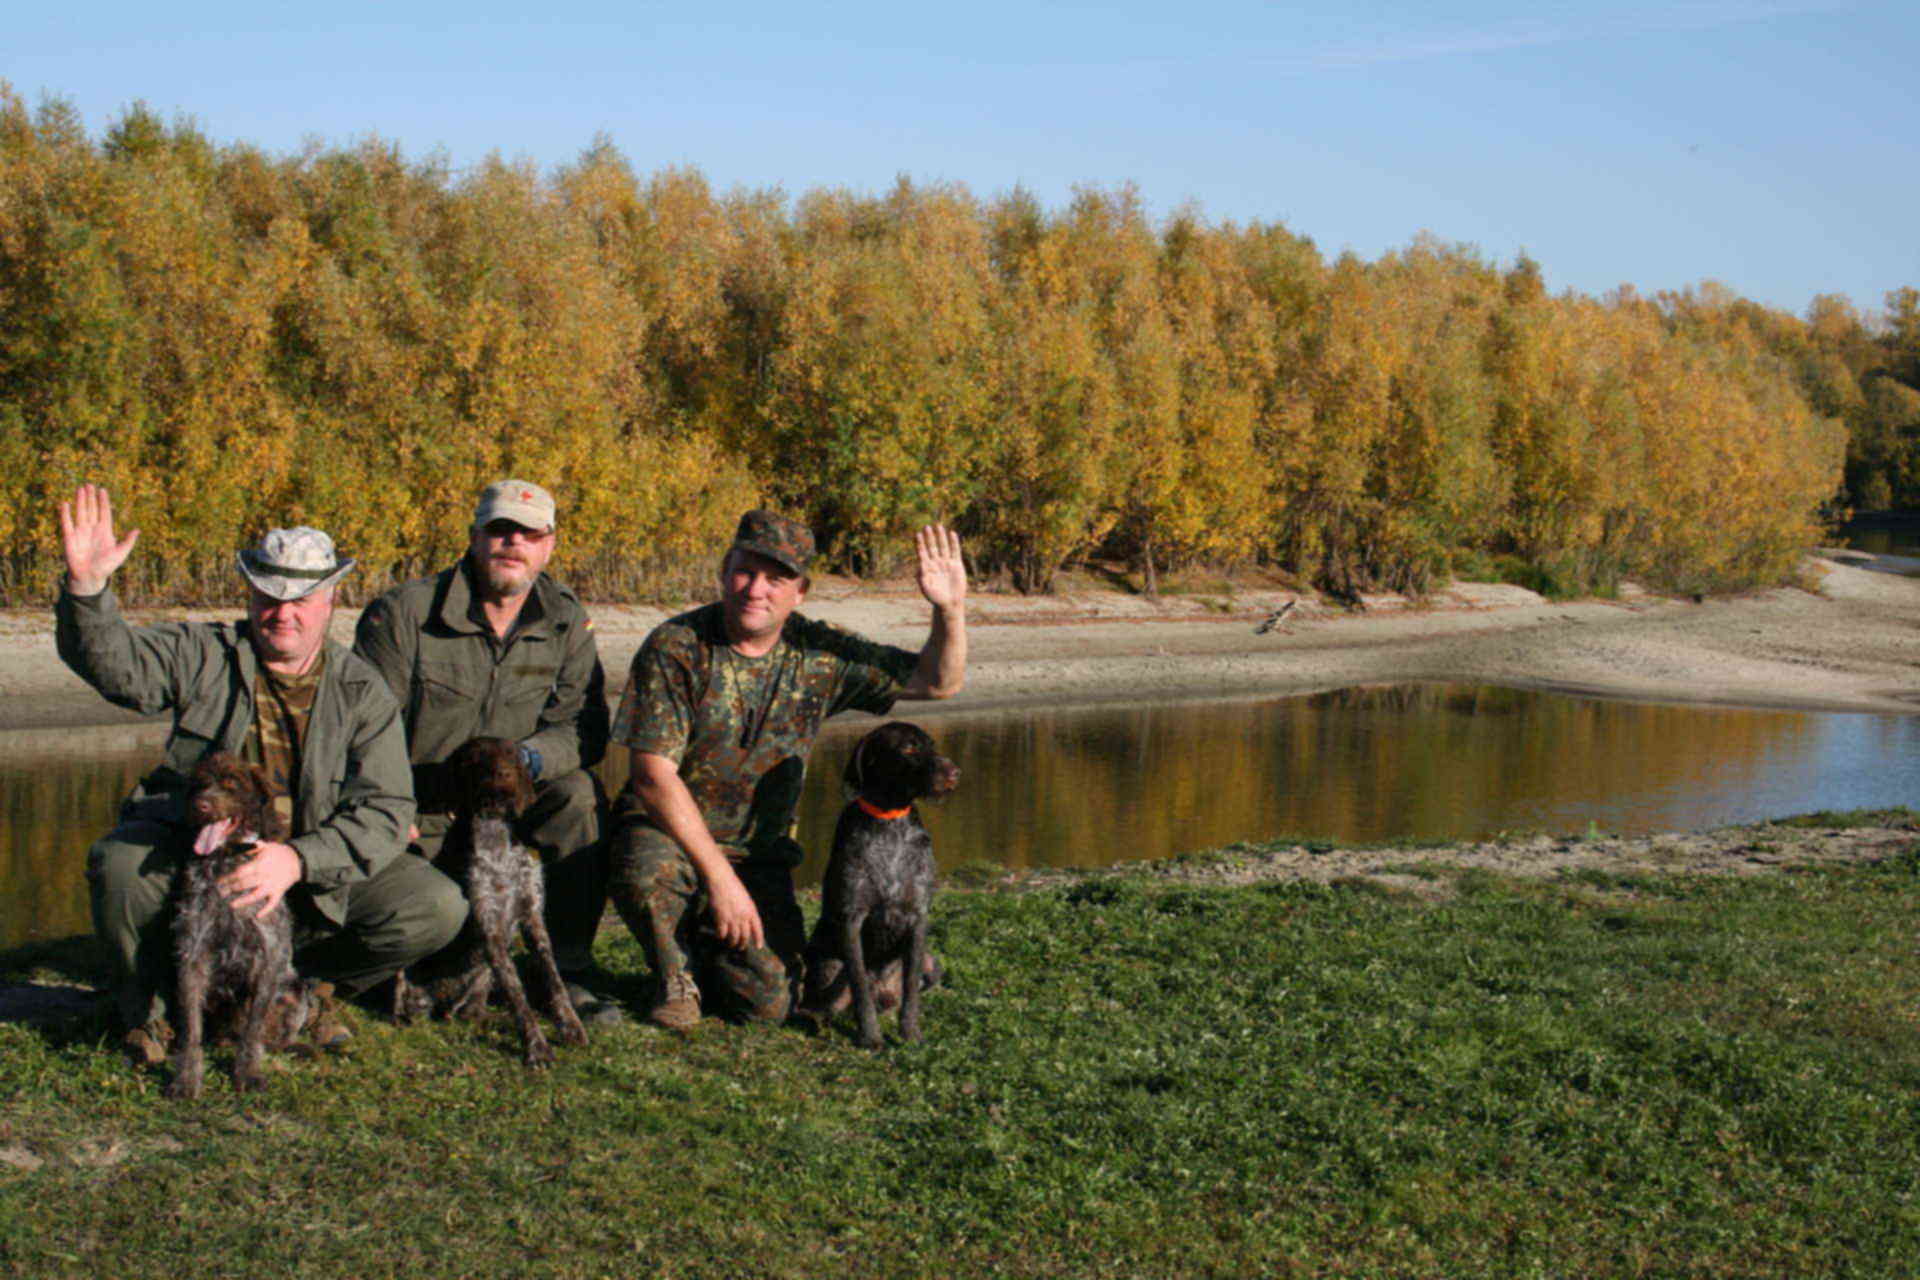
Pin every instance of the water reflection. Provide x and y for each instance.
(1092, 787)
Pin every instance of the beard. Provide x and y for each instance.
(504, 577)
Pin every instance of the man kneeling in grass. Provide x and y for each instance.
(720, 711)
(273, 690)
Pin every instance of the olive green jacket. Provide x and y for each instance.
(542, 686)
(356, 792)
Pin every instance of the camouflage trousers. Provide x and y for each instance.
(660, 895)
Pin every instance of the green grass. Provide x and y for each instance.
(1696, 1076)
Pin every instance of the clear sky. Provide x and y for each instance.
(1772, 145)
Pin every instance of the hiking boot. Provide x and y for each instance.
(677, 1007)
(146, 1047)
(325, 1030)
(587, 992)
(594, 1010)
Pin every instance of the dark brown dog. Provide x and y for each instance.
(232, 965)
(503, 883)
(872, 932)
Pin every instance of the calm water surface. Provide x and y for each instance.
(1093, 787)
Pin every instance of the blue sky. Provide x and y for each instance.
(1771, 145)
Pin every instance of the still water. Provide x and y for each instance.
(1090, 787)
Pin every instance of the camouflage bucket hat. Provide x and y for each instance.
(783, 541)
(290, 564)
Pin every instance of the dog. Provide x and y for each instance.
(871, 937)
(503, 883)
(232, 964)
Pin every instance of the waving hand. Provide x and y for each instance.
(86, 536)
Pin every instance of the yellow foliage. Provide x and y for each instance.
(348, 338)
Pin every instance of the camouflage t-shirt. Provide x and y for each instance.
(282, 705)
(741, 729)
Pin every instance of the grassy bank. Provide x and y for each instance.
(1594, 1076)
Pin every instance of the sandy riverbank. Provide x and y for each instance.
(1848, 641)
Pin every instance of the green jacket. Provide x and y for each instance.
(542, 686)
(356, 793)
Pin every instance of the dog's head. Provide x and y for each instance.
(223, 786)
(488, 778)
(897, 764)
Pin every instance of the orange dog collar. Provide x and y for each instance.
(875, 811)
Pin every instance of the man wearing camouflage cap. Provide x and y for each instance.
(720, 712)
(277, 692)
(493, 646)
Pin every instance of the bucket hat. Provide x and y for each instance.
(291, 564)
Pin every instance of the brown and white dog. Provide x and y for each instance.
(503, 883)
(231, 964)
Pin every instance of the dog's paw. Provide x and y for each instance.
(411, 1003)
(183, 1087)
(249, 1082)
(539, 1055)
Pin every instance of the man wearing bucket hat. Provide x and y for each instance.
(720, 713)
(494, 646)
(274, 690)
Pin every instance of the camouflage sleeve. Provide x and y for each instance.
(656, 708)
(870, 673)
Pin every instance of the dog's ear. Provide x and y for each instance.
(262, 785)
(855, 773)
(522, 786)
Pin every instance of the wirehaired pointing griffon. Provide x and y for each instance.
(872, 934)
(233, 964)
(503, 884)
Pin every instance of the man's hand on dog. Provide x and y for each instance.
(262, 880)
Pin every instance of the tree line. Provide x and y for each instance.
(359, 340)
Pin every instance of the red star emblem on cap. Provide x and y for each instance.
(526, 495)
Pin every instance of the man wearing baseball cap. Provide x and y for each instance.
(493, 646)
(277, 692)
(720, 712)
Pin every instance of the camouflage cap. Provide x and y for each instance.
(526, 504)
(291, 564)
(783, 541)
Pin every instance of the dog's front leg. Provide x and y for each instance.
(571, 1029)
(853, 951)
(189, 1060)
(910, 982)
(497, 933)
(247, 1074)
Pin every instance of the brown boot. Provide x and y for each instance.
(146, 1047)
(325, 1031)
(677, 1006)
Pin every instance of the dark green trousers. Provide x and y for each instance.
(403, 912)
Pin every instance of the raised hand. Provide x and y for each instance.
(86, 537)
(943, 574)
